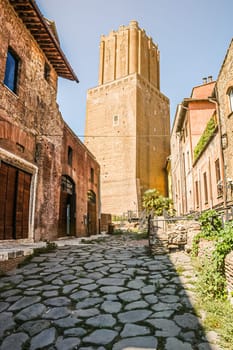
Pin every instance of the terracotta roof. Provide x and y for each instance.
(44, 34)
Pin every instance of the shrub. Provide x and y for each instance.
(212, 281)
(154, 202)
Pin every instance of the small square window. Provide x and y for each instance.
(11, 71)
(115, 120)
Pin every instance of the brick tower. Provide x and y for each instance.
(127, 120)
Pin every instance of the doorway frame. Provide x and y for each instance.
(20, 163)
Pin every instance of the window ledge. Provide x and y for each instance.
(11, 91)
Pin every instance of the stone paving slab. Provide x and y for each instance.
(110, 295)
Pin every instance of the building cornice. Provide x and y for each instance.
(41, 29)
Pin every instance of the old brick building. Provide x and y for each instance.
(127, 120)
(48, 179)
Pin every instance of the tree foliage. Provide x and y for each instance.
(154, 202)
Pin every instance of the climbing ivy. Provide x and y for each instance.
(205, 137)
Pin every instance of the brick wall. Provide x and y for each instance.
(32, 128)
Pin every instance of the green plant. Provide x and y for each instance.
(211, 223)
(154, 202)
(212, 282)
(205, 137)
(218, 317)
(224, 245)
(211, 226)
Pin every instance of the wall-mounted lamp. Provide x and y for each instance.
(224, 141)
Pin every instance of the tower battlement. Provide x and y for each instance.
(126, 51)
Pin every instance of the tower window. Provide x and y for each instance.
(230, 94)
(70, 155)
(11, 72)
(115, 120)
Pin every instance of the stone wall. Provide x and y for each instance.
(224, 84)
(80, 172)
(165, 235)
(229, 272)
(10, 264)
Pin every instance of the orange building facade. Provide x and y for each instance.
(196, 156)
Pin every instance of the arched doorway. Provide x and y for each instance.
(67, 217)
(91, 213)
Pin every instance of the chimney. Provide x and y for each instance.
(210, 78)
(204, 80)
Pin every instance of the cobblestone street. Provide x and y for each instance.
(105, 295)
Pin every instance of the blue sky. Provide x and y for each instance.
(192, 35)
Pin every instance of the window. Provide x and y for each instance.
(188, 160)
(11, 72)
(205, 187)
(67, 185)
(230, 94)
(217, 171)
(46, 71)
(70, 155)
(218, 178)
(197, 193)
(186, 129)
(92, 175)
(115, 120)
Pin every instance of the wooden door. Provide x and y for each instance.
(14, 202)
(91, 214)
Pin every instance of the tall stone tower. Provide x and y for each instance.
(127, 120)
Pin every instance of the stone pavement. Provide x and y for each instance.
(106, 295)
